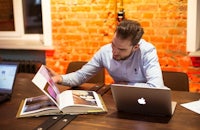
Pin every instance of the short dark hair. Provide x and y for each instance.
(130, 29)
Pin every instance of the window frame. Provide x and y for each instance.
(17, 38)
(193, 26)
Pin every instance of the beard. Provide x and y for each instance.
(118, 57)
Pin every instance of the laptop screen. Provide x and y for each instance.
(7, 76)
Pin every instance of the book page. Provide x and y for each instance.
(37, 104)
(79, 98)
(65, 99)
(44, 82)
(98, 101)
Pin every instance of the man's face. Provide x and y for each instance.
(122, 49)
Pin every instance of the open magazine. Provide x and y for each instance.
(55, 102)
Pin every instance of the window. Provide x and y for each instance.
(32, 15)
(193, 26)
(6, 16)
(25, 21)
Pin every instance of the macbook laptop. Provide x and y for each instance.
(8, 72)
(143, 100)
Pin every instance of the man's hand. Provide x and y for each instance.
(55, 76)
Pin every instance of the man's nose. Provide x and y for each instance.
(115, 51)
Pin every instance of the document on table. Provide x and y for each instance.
(193, 106)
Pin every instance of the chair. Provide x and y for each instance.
(76, 65)
(176, 80)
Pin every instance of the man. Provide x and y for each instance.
(128, 59)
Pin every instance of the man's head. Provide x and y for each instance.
(125, 41)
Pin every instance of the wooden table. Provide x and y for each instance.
(182, 119)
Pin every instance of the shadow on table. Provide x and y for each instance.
(138, 117)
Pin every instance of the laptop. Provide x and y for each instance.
(143, 100)
(8, 72)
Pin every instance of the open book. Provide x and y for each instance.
(55, 102)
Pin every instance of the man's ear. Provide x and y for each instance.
(136, 47)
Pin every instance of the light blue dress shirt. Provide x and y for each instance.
(141, 69)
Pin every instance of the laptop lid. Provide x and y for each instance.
(140, 100)
(8, 72)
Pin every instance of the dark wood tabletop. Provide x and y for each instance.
(183, 119)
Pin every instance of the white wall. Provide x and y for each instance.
(193, 26)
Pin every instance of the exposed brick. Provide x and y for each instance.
(81, 27)
(184, 62)
(145, 23)
(148, 15)
(81, 8)
(174, 31)
(182, 24)
(145, 7)
(72, 23)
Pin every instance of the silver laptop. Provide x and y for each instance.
(143, 100)
(8, 72)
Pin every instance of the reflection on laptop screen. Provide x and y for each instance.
(7, 76)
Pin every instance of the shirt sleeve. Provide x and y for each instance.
(152, 69)
(85, 73)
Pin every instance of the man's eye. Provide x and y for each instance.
(122, 49)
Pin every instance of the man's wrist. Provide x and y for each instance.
(60, 79)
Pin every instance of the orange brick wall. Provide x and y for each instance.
(81, 27)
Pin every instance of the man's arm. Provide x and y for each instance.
(82, 75)
(152, 69)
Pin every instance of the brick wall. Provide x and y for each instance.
(81, 27)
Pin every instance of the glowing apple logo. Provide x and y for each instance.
(141, 101)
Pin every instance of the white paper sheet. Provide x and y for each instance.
(193, 106)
